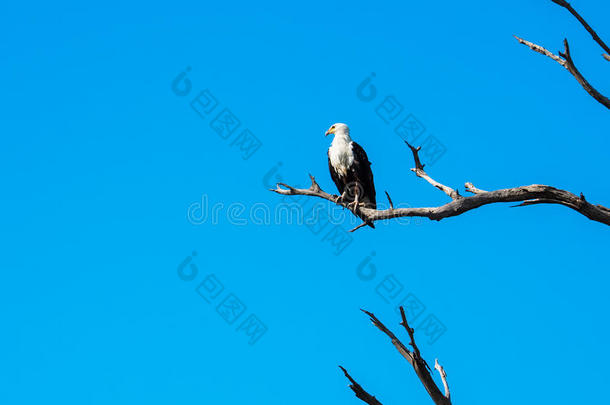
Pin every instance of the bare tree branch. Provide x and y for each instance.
(359, 391)
(443, 374)
(358, 227)
(541, 50)
(389, 200)
(596, 37)
(419, 172)
(414, 358)
(565, 60)
(472, 189)
(528, 195)
(411, 333)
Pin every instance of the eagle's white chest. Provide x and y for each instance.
(341, 155)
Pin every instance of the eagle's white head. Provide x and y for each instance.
(338, 129)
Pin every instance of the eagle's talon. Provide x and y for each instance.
(340, 198)
(352, 206)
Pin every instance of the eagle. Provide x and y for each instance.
(350, 169)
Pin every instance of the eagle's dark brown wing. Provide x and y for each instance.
(362, 173)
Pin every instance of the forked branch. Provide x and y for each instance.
(415, 360)
(528, 195)
(591, 31)
(565, 59)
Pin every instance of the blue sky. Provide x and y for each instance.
(102, 160)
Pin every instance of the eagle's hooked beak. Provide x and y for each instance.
(330, 131)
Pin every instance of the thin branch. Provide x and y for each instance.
(417, 362)
(419, 171)
(541, 50)
(596, 37)
(472, 189)
(443, 374)
(359, 391)
(402, 349)
(389, 200)
(415, 151)
(565, 59)
(410, 332)
(358, 227)
(529, 195)
(544, 201)
(580, 78)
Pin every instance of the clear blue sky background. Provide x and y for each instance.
(100, 161)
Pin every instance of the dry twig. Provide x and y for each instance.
(359, 391)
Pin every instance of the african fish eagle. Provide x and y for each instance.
(350, 168)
